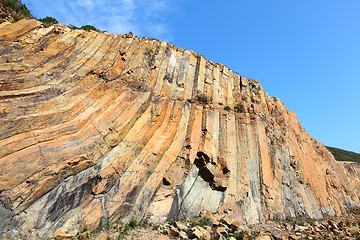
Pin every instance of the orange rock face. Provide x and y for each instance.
(97, 128)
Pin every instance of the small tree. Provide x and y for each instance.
(48, 20)
(89, 28)
(227, 108)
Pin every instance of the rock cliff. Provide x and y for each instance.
(97, 128)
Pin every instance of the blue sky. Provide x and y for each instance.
(307, 53)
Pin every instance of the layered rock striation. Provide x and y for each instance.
(98, 127)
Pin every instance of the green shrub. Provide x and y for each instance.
(123, 232)
(227, 108)
(239, 108)
(10, 3)
(48, 20)
(85, 27)
(89, 28)
(17, 18)
(202, 98)
(133, 223)
(204, 221)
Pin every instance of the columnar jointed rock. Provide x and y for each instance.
(98, 127)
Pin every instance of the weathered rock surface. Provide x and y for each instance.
(97, 128)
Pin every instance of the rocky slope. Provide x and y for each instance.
(209, 226)
(98, 128)
(212, 228)
(13, 10)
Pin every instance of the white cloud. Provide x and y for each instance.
(143, 17)
(85, 3)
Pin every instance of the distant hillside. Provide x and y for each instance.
(13, 10)
(343, 155)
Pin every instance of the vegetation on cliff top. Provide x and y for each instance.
(85, 27)
(13, 10)
(48, 20)
(343, 155)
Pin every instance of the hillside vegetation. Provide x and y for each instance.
(343, 155)
(13, 10)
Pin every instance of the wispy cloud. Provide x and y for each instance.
(142, 17)
(85, 3)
